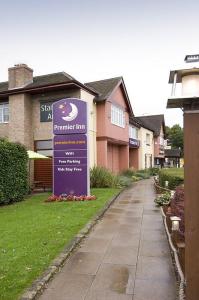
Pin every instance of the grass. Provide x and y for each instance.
(33, 233)
(175, 172)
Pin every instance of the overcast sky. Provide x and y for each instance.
(92, 40)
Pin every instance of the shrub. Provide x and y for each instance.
(14, 173)
(163, 199)
(174, 176)
(135, 178)
(129, 173)
(154, 171)
(143, 174)
(101, 177)
(125, 181)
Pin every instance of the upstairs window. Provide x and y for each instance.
(4, 113)
(133, 133)
(161, 141)
(148, 142)
(117, 116)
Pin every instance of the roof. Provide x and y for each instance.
(47, 80)
(172, 152)
(104, 87)
(153, 123)
(134, 121)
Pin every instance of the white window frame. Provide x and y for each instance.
(117, 116)
(133, 132)
(148, 139)
(3, 108)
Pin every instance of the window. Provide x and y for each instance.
(117, 116)
(148, 139)
(4, 113)
(133, 132)
(44, 147)
(161, 141)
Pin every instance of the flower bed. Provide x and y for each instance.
(54, 198)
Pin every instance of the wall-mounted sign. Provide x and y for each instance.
(70, 151)
(133, 143)
(46, 111)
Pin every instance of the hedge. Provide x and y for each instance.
(13, 172)
(175, 177)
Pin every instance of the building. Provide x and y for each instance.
(155, 124)
(172, 157)
(117, 140)
(26, 112)
(134, 144)
(113, 111)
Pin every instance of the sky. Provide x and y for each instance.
(93, 40)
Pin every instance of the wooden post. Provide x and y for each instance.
(191, 156)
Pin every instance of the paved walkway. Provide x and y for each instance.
(125, 257)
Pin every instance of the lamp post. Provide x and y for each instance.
(188, 77)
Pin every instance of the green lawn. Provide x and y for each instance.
(175, 172)
(32, 233)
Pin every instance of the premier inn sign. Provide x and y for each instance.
(70, 148)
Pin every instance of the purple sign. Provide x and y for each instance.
(69, 116)
(70, 155)
(133, 143)
(70, 165)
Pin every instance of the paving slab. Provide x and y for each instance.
(69, 287)
(154, 290)
(125, 256)
(113, 282)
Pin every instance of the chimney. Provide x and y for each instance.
(19, 76)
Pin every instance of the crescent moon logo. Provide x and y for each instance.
(72, 115)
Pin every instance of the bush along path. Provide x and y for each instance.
(125, 257)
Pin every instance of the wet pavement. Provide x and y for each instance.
(125, 257)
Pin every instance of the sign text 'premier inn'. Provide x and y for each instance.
(70, 155)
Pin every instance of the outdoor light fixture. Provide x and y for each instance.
(172, 194)
(166, 184)
(175, 223)
(156, 177)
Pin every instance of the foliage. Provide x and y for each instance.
(129, 172)
(177, 207)
(175, 177)
(163, 199)
(154, 171)
(101, 177)
(175, 136)
(14, 174)
(135, 178)
(43, 230)
(125, 181)
(143, 174)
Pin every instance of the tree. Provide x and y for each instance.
(175, 136)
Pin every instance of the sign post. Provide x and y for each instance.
(70, 148)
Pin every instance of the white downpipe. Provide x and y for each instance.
(174, 85)
(182, 279)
